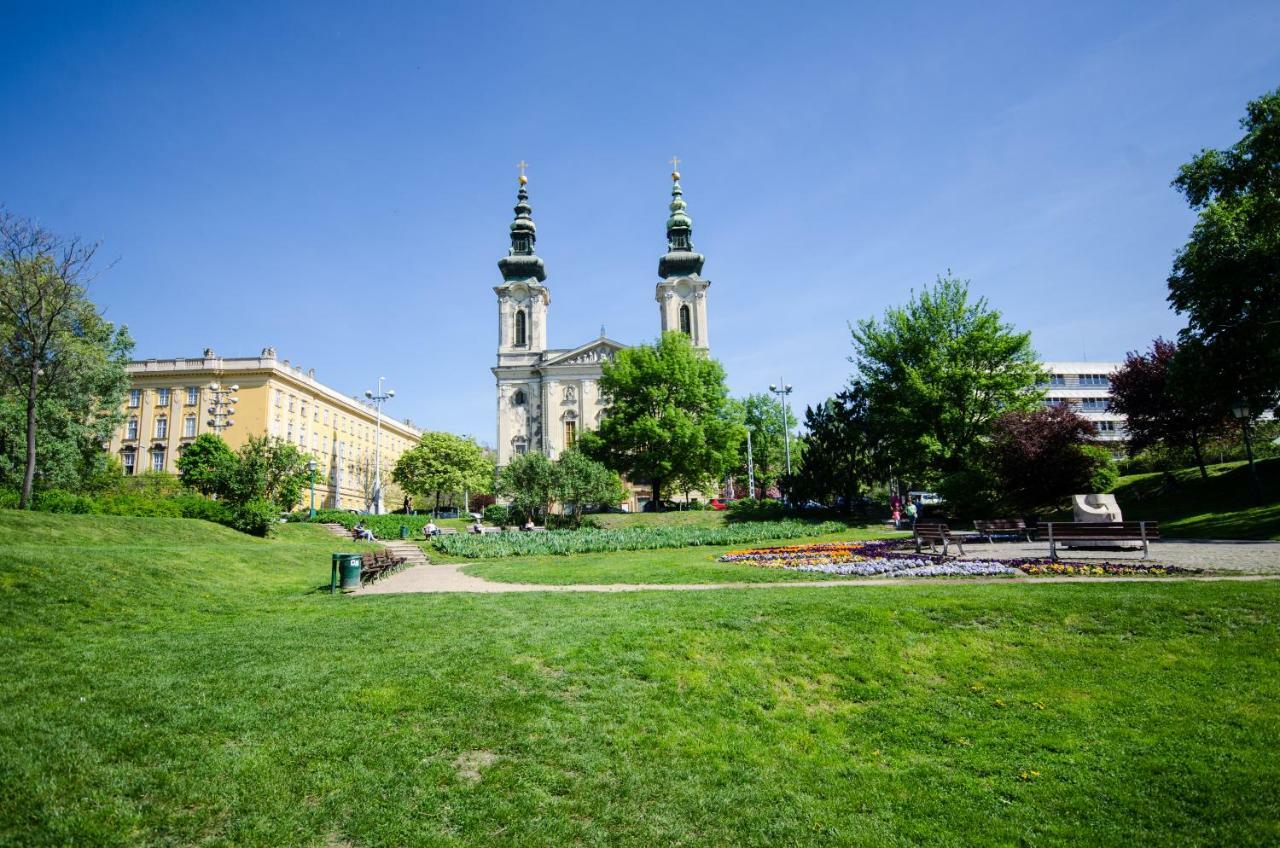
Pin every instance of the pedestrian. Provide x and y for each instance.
(913, 512)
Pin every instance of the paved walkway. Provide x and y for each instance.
(1228, 556)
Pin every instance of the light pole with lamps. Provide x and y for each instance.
(222, 406)
(379, 398)
(1242, 413)
(782, 391)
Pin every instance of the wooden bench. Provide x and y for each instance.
(934, 535)
(1076, 532)
(378, 564)
(1002, 527)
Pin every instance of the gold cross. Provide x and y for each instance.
(675, 164)
(522, 165)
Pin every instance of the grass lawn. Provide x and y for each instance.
(1218, 508)
(167, 682)
(670, 565)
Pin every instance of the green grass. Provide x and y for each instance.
(167, 682)
(677, 518)
(1218, 508)
(669, 565)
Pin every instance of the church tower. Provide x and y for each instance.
(522, 298)
(682, 292)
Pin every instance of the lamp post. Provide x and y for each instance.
(751, 468)
(782, 391)
(222, 406)
(1242, 413)
(379, 398)
(311, 469)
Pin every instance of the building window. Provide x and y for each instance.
(519, 398)
(127, 459)
(189, 426)
(1094, 404)
(135, 398)
(157, 459)
(193, 395)
(162, 397)
(570, 393)
(1099, 380)
(131, 429)
(279, 398)
(162, 427)
(521, 446)
(326, 418)
(1058, 380)
(521, 330)
(570, 433)
(685, 324)
(304, 408)
(292, 400)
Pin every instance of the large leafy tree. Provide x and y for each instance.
(528, 481)
(1041, 457)
(207, 464)
(443, 464)
(841, 455)
(668, 422)
(268, 469)
(762, 415)
(1167, 399)
(578, 481)
(937, 372)
(62, 367)
(1226, 279)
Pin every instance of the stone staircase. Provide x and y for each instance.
(412, 554)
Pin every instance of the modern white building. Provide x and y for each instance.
(1086, 388)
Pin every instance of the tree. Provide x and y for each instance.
(441, 464)
(577, 481)
(1167, 400)
(937, 372)
(528, 481)
(840, 455)
(1226, 279)
(207, 464)
(668, 420)
(1041, 457)
(62, 365)
(268, 469)
(762, 415)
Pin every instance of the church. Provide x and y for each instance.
(546, 397)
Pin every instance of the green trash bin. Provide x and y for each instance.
(346, 572)
(404, 531)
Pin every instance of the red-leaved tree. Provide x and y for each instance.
(1042, 457)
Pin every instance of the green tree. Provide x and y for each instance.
(669, 422)
(578, 481)
(528, 481)
(1226, 279)
(762, 415)
(62, 367)
(268, 469)
(443, 464)
(207, 464)
(937, 372)
(840, 457)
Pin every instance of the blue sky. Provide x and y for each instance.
(337, 181)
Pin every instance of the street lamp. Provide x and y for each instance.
(1242, 413)
(379, 398)
(311, 470)
(222, 406)
(782, 391)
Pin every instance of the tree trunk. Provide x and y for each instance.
(29, 476)
(1195, 448)
(657, 496)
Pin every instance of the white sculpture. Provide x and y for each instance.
(1094, 508)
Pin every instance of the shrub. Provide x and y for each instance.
(67, 503)
(496, 514)
(206, 509)
(255, 517)
(138, 505)
(561, 542)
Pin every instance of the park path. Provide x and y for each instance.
(450, 578)
(411, 553)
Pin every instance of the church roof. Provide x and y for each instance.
(596, 350)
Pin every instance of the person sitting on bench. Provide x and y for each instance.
(363, 532)
(477, 527)
(528, 525)
(430, 529)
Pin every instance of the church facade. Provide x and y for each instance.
(548, 396)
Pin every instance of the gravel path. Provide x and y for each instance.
(1224, 556)
(1262, 558)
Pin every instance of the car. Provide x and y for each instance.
(718, 504)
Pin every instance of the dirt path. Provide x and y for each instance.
(449, 578)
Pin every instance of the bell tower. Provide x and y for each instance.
(522, 298)
(682, 292)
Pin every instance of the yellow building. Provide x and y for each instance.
(171, 401)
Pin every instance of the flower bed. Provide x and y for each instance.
(896, 558)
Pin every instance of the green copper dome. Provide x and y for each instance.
(521, 263)
(680, 259)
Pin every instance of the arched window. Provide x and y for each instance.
(521, 331)
(519, 398)
(684, 320)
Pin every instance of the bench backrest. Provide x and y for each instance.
(932, 531)
(1126, 530)
(1000, 524)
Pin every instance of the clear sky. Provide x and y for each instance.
(336, 180)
